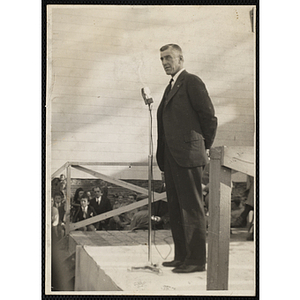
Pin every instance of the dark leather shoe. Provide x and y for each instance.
(189, 268)
(172, 264)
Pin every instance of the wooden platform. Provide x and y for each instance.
(110, 254)
(120, 238)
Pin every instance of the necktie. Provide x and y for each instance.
(84, 213)
(168, 89)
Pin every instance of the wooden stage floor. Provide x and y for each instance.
(113, 252)
(121, 238)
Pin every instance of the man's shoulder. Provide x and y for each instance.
(92, 201)
(105, 198)
(91, 209)
(193, 80)
(190, 76)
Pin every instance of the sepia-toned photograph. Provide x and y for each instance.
(151, 150)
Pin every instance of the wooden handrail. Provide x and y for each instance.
(239, 159)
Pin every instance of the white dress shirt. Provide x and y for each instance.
(98, 200)
(176, 76)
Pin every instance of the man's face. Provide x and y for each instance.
(97, 192)
(131, 198)
(116, 204)
(171, 61)
(84, 202)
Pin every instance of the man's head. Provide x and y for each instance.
(89, 195)
(57, 199)
(84, 201)
(171, 58)
(97, 191)
(120, 198)
(132, 197)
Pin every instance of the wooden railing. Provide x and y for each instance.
(223, 162)
(79, 166)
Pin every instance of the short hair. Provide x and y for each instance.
(173, 46)
(134, 195)
(58, 194)
(98, 187)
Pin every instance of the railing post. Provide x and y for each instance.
(219, 222)
(68, 199)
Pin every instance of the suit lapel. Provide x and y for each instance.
(175, 88)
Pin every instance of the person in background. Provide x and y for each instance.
(54, 221)
(241, 221)
(59, 205)
(131, 198)
(62, 185)
(89, 195)
(84, 212)
(78, 194)
(122, 221)
(140, 219)
(117, 222)
(101, 204)
(159, 209)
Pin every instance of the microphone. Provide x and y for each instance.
(146, 94)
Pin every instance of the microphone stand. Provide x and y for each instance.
(152, 267)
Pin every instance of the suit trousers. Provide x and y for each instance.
(186, 210)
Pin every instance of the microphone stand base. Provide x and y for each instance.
(151, 267)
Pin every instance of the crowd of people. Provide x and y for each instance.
(86, 204)
(89, 203)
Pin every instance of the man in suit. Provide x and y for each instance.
(101, 204)
(84, 212)
(186, 130)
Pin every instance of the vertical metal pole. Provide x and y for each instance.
(149, 186)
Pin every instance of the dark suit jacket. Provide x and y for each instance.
(103, 207)
(186, 122)
(79, 214)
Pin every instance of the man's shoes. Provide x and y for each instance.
(172, 264)
(189, 268)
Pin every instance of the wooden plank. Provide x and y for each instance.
(240, 159)
(62, 168)
(113, 180)
(219, 222)
(97, 239)
(131, 235)
(115, 212)
(68, 200)
(77, 261)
